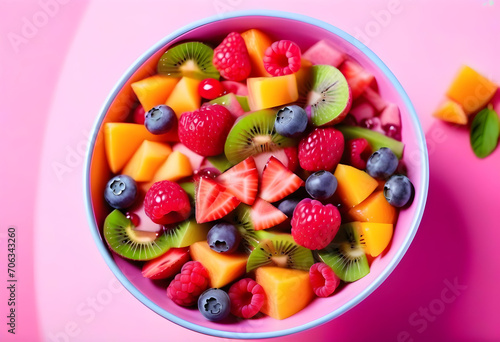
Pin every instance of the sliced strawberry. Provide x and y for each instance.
(358, 78)
(166, 265)
(212, 201)
(242, 181)
(265, 215)
(277, 181)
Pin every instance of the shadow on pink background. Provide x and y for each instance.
(444, 289)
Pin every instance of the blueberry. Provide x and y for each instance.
(291, 121)
(223, 238)
(214, 304)
(398, 191)
(382, 163)
(120, 192)
(160, 119)
(321, 185)
(288, 206)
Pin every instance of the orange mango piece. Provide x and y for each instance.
(303, 77)
(267, 92)
(471, 90)
(176, 166)
(451, 111)
(153, 91)
(374, 209)
(184, 97)
(257, 43)
(146, 160)
(354, 185)
(287, 290)
(375, 237)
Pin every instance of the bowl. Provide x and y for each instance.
(305, 31)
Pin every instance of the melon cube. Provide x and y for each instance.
(153, 91)
(451, 111)
(177, 166)
(146, 160)
(287, 290)
(267, 92)
(374, 236)
(257, 43)
(357, 77)
(184, 97)
(354, 185)
(222, 268)
(374, 209)
(324, 53)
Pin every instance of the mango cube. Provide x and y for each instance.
(176, 166)
(153, 91)
(146, 160)
(374, 236)
(184, 97)
(354, 185)
(374, 209)
(267, 92)
(451, 111)
(257, 43)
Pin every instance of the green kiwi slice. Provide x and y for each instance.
(192, 59)
(280, 250)
(329, 98)
(250, 237)
(346, 255)
(121, 236)
(186, 233)
(254, 133)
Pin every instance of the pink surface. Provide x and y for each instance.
(445, 287)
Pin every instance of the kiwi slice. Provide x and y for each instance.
(280, 250)
(192, 59)
(329, 98)
(186, 233)
(346, 255)
(250, 237)
(254, 133)
(121, 236)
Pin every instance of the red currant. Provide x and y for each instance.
(208, 172)
(210, 89)
(139, 115)
(136, 220)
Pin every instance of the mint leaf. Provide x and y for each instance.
(484, 132)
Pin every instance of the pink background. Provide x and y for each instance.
(54, 80)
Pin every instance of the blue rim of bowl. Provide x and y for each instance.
(424, 169)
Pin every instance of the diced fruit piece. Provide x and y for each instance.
(186, 233)
(237, 88)
(345, 255)
(390, 120)
(382, 163)
(242, 181)
(287, 156)
(212, 201)
(362, 111)
(231, 58)
(139, 115)
(282, 58)
(210, 88)
(224, 238)
(329, 98)
(243, 101)
(166, 202)
(257, 42)
(219, 162)
(374, 209)
(166, 265)
(185, 96)
(222, 268)
(321, 185)
(321, 149)
(314, 225)
(191, 59)
(123, 239)
(264, 215)
(398, 191)
(146, 160)
(247, 298)
(354, 185)
(324, 53)
(267, 92)
(280, 250)
(277, 181)
(153, 91)
(358, 78)
(291, 121)
(231, 103)
(451, 111)
(123, 139)
(160, 119)
(252, 134)
(120, 192)
(358, 151)
(373, 97)
(287, 291)
(189, 284)
(204, 131)
(471, 90)
(376, 140)
(373, 124)
(177, 166)
(374, 237)
(323, 280)
(194, 158)
(214, 304)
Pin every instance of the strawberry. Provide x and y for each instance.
(212, 201)
(231, 58)
(321, 149)
(277, 181)
(242, 181)
(265, 215)
(166, 265)
(205, 130)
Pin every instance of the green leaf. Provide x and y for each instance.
(484, 132)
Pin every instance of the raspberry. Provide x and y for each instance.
(205, 130)
(166, 202)
(314, 225)
(321, 149)
(188, 285)
(247, 298)
(231, 58)
(323, 280)
(358, 151)
(282, 58)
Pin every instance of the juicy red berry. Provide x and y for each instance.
(314, 225)
(210, 89)
(293, 161)
(231, 58)
(136, 220)
(166, 202)
(323, 280)
(358, 151)
(247, 298)
(205, 130)
(282, 58)
(139, 115)
(321, 149)
(208, 172)
(188, 285)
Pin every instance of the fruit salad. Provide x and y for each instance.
(252, 171)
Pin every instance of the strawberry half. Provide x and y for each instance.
(265, 215)
(242, 181)
(277, 181)
(212, 201)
